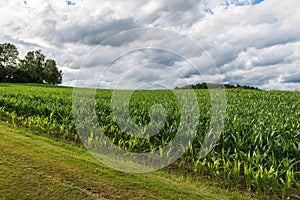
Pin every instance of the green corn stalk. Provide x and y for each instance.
(248, 175)
(236, 170)
(210, 169)
(199, 166)
(287, 184)
(227, 173)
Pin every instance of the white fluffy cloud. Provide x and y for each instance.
(251, 42)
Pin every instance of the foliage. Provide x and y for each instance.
(34, 68)
(8, 61)
(217, 85)
(259, 149)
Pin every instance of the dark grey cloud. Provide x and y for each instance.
(293, 78)
(96, 32)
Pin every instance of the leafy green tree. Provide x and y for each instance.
(51, 74)
(2, 70)
(34, 68)
(8, 61)
(215, 86)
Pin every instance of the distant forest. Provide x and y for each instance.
(216, 86)
(34, 68)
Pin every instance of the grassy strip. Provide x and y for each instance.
(35, 167)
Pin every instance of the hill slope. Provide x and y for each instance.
(34, 167)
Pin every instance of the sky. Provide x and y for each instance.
(140, 44)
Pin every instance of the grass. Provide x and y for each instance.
(35, 167)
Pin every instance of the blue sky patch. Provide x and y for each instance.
(257, 2)
(70, 3)
(243, 2)
(208, 10)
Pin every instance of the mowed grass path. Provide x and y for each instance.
(34, 167)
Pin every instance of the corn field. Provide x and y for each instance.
(258, 151)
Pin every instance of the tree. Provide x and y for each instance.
(216, 86)
(34, 68)
(51, 74)
(8, 61)
(2, 70)
(38, 70)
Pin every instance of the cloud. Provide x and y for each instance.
(251, 42)
(292, 78)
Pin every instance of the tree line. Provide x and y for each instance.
(34, 68)
(216, 86)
